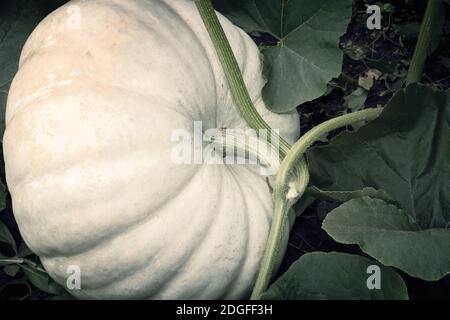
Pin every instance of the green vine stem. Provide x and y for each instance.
(284, 182)
(19, 261)
(232, 71)
(423, 43)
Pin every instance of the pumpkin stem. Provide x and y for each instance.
(249, 148)
(232, 71)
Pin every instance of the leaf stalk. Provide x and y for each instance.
(427, 27)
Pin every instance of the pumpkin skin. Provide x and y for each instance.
(88, 147)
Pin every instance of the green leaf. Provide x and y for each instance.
(404, 152)
(11, 270)
(17, 21)
(2, 196)
(42, 280)
(6, 236)
(24, 251)
(354, 51)
(304, 203)
(388, 234)
(335, 276)
(356, 100)
(307, 55)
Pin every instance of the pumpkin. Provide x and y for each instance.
(88, 145)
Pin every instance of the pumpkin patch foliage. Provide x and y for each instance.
(92, 94)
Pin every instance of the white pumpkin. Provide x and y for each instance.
(101, 87)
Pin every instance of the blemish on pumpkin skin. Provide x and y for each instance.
(51, 77)
(49, 41)
(76, 73)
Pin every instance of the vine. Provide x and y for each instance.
(423, 43)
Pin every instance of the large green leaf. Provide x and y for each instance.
(386, 233)
(335, 276)
(6, 236)
(24, 251)
(307, 55)
(18, 18)
(11, 270)
(405, 152)
(42, 280)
